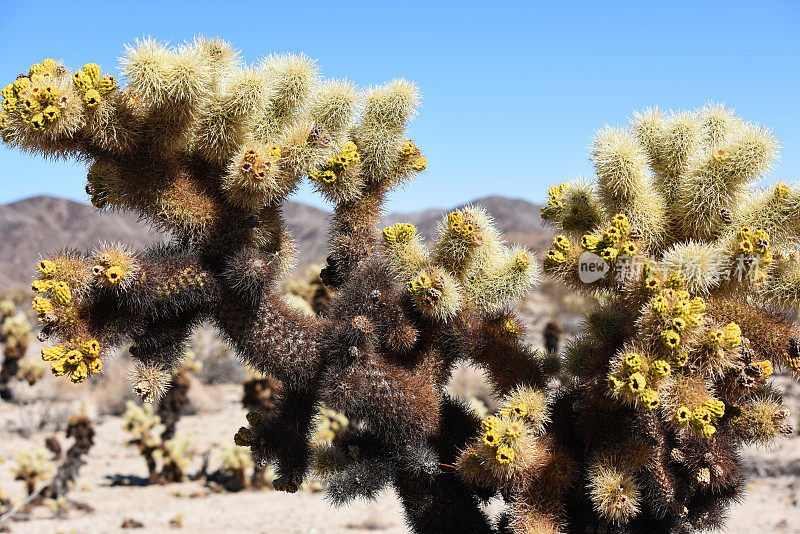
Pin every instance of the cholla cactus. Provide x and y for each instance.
(32, 467)
(236, 460)
(81, 429)
(208, 149)
(15, 334)
(671, 371)
(140, 422)
(175, 458)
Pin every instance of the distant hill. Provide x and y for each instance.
(44, 223)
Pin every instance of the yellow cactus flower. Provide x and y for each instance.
(10, 104)
(522, 261)
(697, 305)
(731, 335)
(628, 248)
(93, 71)
(614, 383)
(106, 85)
(554, 257)
(59, 368)
(47, 268)
(491, 423)
(38, 122)
(389, 234)
(766, 368)
(95, 365)
(91, 348)
(612, 236)
(561, 243)
(620, 222)
(79, 373)
(680, 359)
(700, 417)
(51, 113)
(518, 409)
(609, 253)
(21, 85)
(660, 305)
(706, 431)
(715, 407)
(419, 164)
(590, 242)
(81, 81)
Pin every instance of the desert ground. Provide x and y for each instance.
(112, 482)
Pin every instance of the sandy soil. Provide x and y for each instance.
(772, 504)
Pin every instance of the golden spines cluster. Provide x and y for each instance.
(468, 266)
(114, 266)
(508, 444)
(340, 179)
(613, 489)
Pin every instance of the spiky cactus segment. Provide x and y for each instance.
(673, 369)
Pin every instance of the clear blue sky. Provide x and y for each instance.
(511, 92)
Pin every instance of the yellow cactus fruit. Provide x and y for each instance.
(683, 415)
(766, 368)
(561, 243)
(82, 81)
(47, 268)
(92, 98)
(42, 286)
(670, 338)
(61, 293)
(505, 455)
(632, 362)
(492, 437)
(42, 305)
(91, 348)
(715, 407)
(51, 354)
(649, 399)
(114, 274)
(637, 382)
(106, 85)
(660, 369)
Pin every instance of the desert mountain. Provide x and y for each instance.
(44, 223)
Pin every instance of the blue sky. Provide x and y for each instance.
(511, 92)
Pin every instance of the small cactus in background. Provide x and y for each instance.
(141, 423)
(15, 334)
(81, 429)
(236, 460)
(32, 467)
